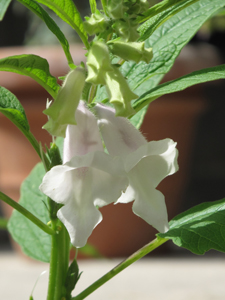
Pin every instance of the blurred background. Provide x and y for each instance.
(194, 118)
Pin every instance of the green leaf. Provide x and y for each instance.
(33, 66)
(3, 7)
(33, 241)
(152, 24)
(167, 42)
(12, 109)
(93, 6)
(200, 228)
(72, 278)
(180, 84)
(158, 8)
(41, 13)
(68, 12)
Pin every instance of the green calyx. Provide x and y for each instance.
(126, 29)
(62, 111)
(131, 50)
(120, 93)
(96, 23)
(98, 63)
(116, 9)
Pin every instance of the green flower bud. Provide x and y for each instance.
(126, 29)
(116, 9)
(96, 23)
(120, 93)
(62, 111)
(138, 7)
(131, 51)
(98, 63)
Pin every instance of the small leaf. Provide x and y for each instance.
(68, 12)
(72, 278)
(180, 84)
(41, 13)
(93, 6)
(12, 109)
(200, 228)
(33, 241)
(3, 7)
(33, 66)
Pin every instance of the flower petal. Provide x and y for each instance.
(83, 137)
(120, 136)
(81, 184)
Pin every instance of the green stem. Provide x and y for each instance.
(3, 223)
(123, 265)
(104, 4)
(59, 262)
(26, 213)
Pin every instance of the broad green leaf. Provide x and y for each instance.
(167, 42)
(152, 24)
(41, 13)
(138, 118)
(13, 110)
(158, 8)
(93, 6)
(3, 7)
(200, 228)
(33, 66)
(33, 241)
(180, 84)
(68, 12)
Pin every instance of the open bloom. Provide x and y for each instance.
(88, 178)
(146, 165)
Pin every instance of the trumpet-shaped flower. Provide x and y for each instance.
(87, 179)
(146, 165)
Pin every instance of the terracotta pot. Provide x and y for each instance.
(175, 116)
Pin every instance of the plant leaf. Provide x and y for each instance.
(33, 241)
(3, 7)
(200, 228)
(33, 66)
(180, 84)
(68, 12)
(13, 110)
(167, 42)
(41, 13)
(158, 8)
(152, 24)
(93, 6)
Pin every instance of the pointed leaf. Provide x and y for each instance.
(200, 228)
(167, 42)
(41, 13)
(153, 23)
(12, 109)
(68, 12)
(180, 84)
(33, 241)
(33, 66)
(3, 7)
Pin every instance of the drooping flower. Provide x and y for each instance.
(146, 165)
(62, 111)
(87, 179)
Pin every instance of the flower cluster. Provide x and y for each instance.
(90, 178)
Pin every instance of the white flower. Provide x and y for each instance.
(88, 178)
(146, 165)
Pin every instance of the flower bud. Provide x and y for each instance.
(98, 63)
(120, 93)
(62, 111)
(96, 23)
(116, 9)
(131, 51)
(126, 29)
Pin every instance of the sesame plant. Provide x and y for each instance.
(96, 114)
